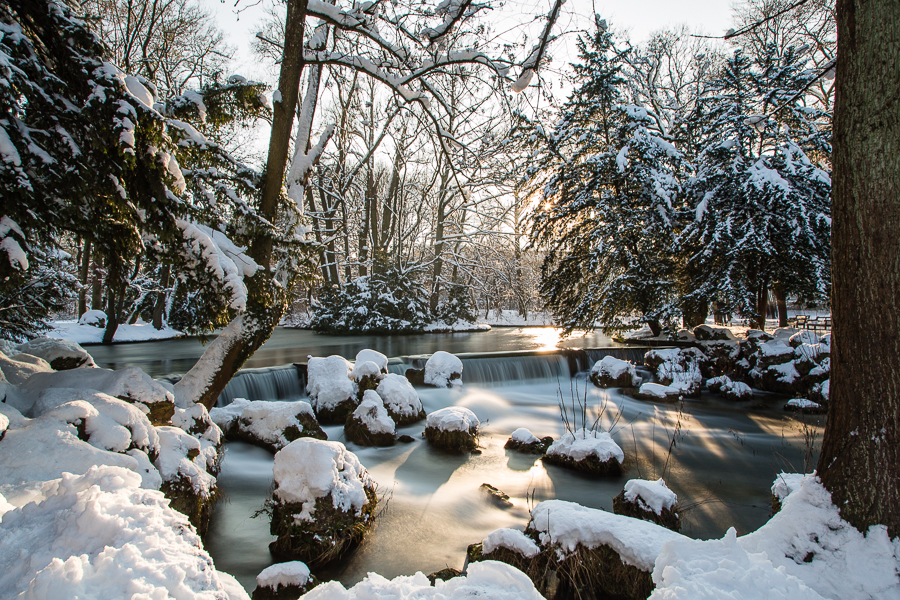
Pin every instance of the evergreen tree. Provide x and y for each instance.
(760, 209)
(608, 202)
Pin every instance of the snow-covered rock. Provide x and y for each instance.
(366, 355)
(185, 465)
(8, 348)
(522, 440)
(283, 579)
(324, 500)
(707, 333)
(99, 535)
(511, 539)
(650, 501)
(272, 425)
(733, 390)
(804, 405)
(454, 428)
(680, 366)
(94, 318)
(130, 384)
(804, 337)
(488, 579)
(400, 399)
(443, 370)
(613, 372)
(17, 371)
(591, 451)
(331, 391)
(61, 354)
(370, 424)
(657, 391)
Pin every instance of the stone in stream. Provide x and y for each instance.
(370, 424)
(284, 581)
(331, 391)
(271, 425)
(589, 451)
(649, 501)
(522, 440)
(454, 429)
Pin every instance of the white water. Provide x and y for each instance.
(725, 458)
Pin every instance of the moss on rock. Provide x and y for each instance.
(591, 464)
(337, 414)
(668, 517)
(183, 498)
(539, 447)
(452, 441)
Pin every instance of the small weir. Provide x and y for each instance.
(269, 383)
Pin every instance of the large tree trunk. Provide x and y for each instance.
(781, 302)
(762, 304)
(860, 458)
(83, 277)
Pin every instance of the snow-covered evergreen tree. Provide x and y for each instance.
(608, 202)
(760, 209)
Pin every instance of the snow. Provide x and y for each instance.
(804, 337)
(614, 368)
(18, 259)
(484, 579)
(569, 525)
(174, 462)
(512, 539)
(293, 573)
(440, 367)
(98, 535)
(399, 395)
(805, 551)
(231, 586)
(524, 436)
(785, 484)
(440, 326)
(328, 381)
(18, 371)
(374, 356)
(9, 153)
(650, 495)
(308, 469)
(775, 349)
(584, 443)
(523, 81)
(803, 403)
(364, 369)
(372, 413)
(658, 390)
(452, 418)
(265, 421)
(51, 349)
(786, 372)
(88, 334)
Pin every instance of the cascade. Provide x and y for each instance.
(268, 383)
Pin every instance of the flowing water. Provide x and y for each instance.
(719, 457)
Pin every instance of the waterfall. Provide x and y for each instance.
(269, 383)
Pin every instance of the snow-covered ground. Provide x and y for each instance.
(88, 334)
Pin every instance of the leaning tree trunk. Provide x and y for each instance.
(860, 458)
(265, 297)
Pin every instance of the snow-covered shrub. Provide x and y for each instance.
(387, 301)
(488, 579)
(370, 424)
(613, 372)
(272, 425)
(323, 503)
(284, 581)
(116, 541)
(650, 501)
(680, 368)
(61, 354)
(443, 370)
(590, 451)
(400, 399)
(522, 440)
(456, 306)
(331, 391)
(454, 429)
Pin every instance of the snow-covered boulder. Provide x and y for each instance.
(488, 579)
(805, 406)
(331, 391)
(130, 384)
(613, 372)
(99, 535)
(658, 392)
(370, 424)
(775, 352)
(650, 501)
(186, 466)
(821, 392)
(61, 354)
(680, 366)
(366, 355)
(512, 547)
(196, 421)
(17, 371)
(733, 390)
(443, 370)
(369, 368)
(782, 378)
(705, 333)
(400, 399)
(522, 440)
(283, 581)
(94, 318)
(324, 502)
(454, 429)
(804, 336)
(590, 451)
(272, 425)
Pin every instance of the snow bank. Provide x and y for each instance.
(583, 443)
(452, 418)
(293, 573)
(328, 381)
(308, 469)
(785, 484)
(486, 579)
(567, 525)
(17, 371)
(512, 539)
(443, 370)
(98, 535)
(650, 495)
(90, 334)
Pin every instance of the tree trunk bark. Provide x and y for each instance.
(83, 277)
(97, 285)
(762, 304)
(695, 315)
(115, 290)
(159, 308)
(860, 458)
(781, 302)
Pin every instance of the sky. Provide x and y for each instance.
(639, 17)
